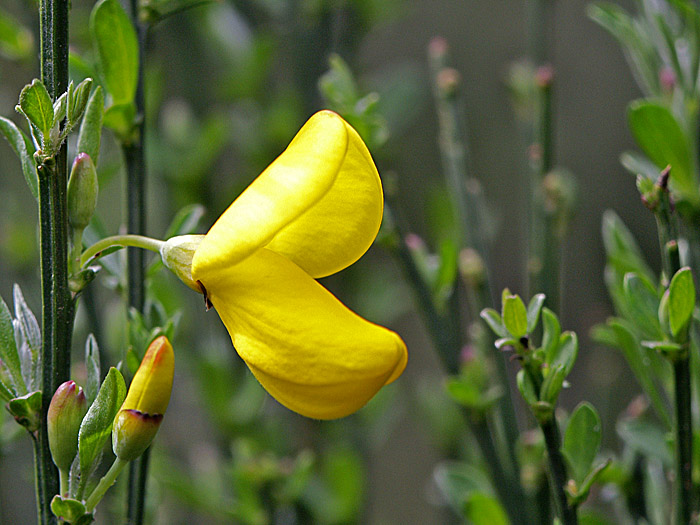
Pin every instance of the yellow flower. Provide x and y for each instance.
(142, 412)
(314, 211)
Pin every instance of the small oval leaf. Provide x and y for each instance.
(681, 300)
(24, 148)
(117, 48)
(35, 102)
(582, 440)
(661, 137)
(97, 423)
(515, 316)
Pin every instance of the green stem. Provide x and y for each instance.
(507, 487)
(56, 304)
(136, 241)
(467, 196)
(444, 335)
(557, 472)
(447, 341)
(668, 235)
(544, 256)
(134, 154)
(684, 451)
(105, 483)
(57, 317)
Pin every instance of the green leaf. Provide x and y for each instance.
(550, 335)
(120, 119)
(638, 164)
(681, 296)
(533, 311)
(582, 441)
(35, 103)
(515, 316)
(91, 127)
(566, 352)
(484, 509)
(8, 350)
(92, 365)
(457, 480)
(67, 508)
(647, 438)
(447, 272)
(59, 106)
(31, 335)
(26, 410)
(639, 46)
(77, 101)
(642, 303)
(622, 250)
(593, 476)
(97, 423)
(493, 319)
(186, 220)
(644, 365)
(6, 388)
(552, 384)
(115, 39)
(24, 148)
(526, 387)
(16, 40)
(660, 136)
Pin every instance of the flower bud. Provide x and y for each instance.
(177, 253)
(66, 411)
(82, 192)
(140, 415)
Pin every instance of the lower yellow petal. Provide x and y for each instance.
(308, 350)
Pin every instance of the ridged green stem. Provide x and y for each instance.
(56, 301)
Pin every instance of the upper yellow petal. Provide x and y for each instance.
(308, 350)
(337, 230)
(319, 204)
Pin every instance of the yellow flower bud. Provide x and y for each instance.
(140, 415)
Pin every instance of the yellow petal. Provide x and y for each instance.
(319, 204)
(337, 230)
(307, 349)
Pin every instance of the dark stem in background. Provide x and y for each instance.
(445, 334)
(56, 300)
(557, 472)
(544, 246)
(545, 241)
(468, 201)
(136, 223)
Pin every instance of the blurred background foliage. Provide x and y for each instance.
(228, 85)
